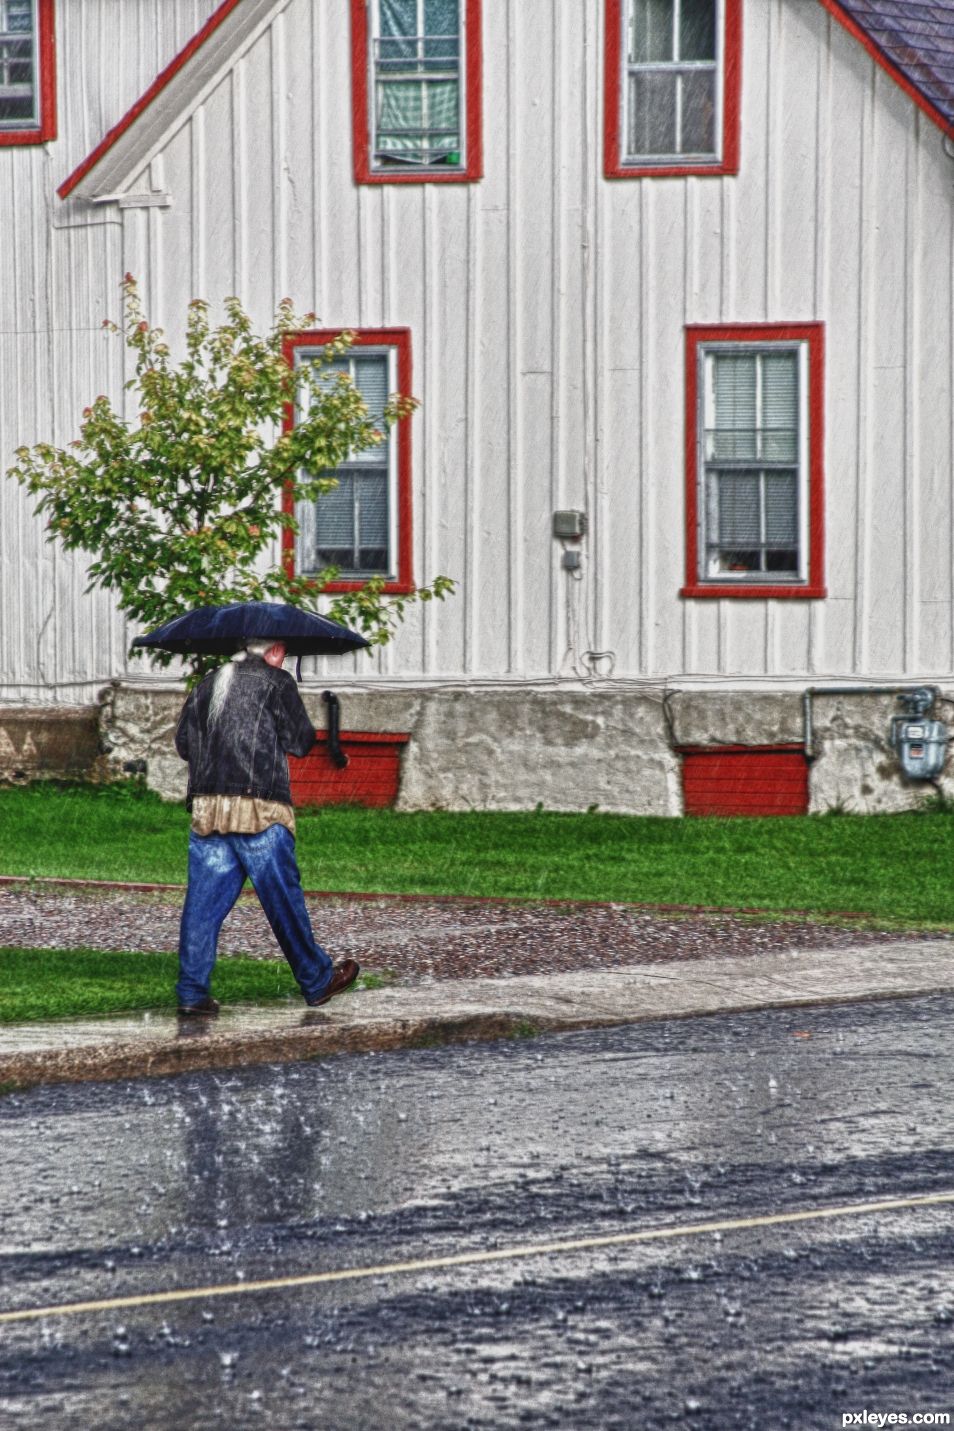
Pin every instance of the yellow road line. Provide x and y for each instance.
(471, 1259)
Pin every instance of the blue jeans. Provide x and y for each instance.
(218, 866)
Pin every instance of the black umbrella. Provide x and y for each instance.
(223, 630)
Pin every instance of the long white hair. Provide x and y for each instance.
(222, 681)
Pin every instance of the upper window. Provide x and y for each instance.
(26, 72)
(672, 87)
(416, 80)
(754, 496)
(362, 527)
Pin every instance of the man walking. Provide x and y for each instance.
(236, 729)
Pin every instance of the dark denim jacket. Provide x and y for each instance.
(262, 719)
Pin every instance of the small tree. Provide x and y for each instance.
(178, 507)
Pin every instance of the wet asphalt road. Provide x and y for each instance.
(113, 1189)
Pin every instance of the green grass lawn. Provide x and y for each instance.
(897, 867)
(54, 983)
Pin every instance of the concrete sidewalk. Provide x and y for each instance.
(425, 1014)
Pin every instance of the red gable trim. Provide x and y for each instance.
(143, 103)
(46, 41)
(880, 58)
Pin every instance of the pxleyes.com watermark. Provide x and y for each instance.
(895, 1418)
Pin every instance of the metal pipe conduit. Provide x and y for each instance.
(338, 756)
(857, 690)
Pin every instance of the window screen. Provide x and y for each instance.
(672, 79)
(752, 467)
(416, 70)
(349, 527)
(19, 104)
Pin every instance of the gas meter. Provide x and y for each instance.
(921, 743)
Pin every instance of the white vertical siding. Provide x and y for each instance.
(60, 269)
(547, 308)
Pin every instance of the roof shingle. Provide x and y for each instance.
(916, 38)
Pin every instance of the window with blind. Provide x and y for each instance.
(672, 87)
(350, 526)
(19, 65)
(754, 424)
(752, 445)
(416, 65)
(361, 527)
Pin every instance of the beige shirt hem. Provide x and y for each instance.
(238, 815)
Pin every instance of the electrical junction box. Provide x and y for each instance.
(921, 743)
(569, 525)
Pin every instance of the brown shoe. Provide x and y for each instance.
(342, 978)
(208, 1005)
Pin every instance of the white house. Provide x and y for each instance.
(672, 278)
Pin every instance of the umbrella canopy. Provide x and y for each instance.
(223, 630)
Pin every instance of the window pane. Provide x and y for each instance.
(398, 17)
(652, 113)
(370, 377)
(372, 561)
(17, 63)
(745, 559)
(738, 510)
(442, 118)
(19, 16)
(336, 514)
(373, 522)
(400, 115)
(780, 407)
(651, 31)
(734, 392)
(697, 30)
(782, 561)
(781, 508)
(441, 17)
(335, 521)
(698, 112)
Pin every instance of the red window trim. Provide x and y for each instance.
(400, 339)
(784, 746)
(814, 335)
(613, 165)
(46, 40)
(360, 101)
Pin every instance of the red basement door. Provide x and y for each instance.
(745, 780)
(371, 777)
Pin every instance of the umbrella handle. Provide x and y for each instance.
(298, 671)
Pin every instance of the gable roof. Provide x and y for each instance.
(135, 138)
(913, 40)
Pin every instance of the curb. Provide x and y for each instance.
(200, 1048)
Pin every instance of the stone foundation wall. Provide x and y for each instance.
(612, 747)
(38, 742)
